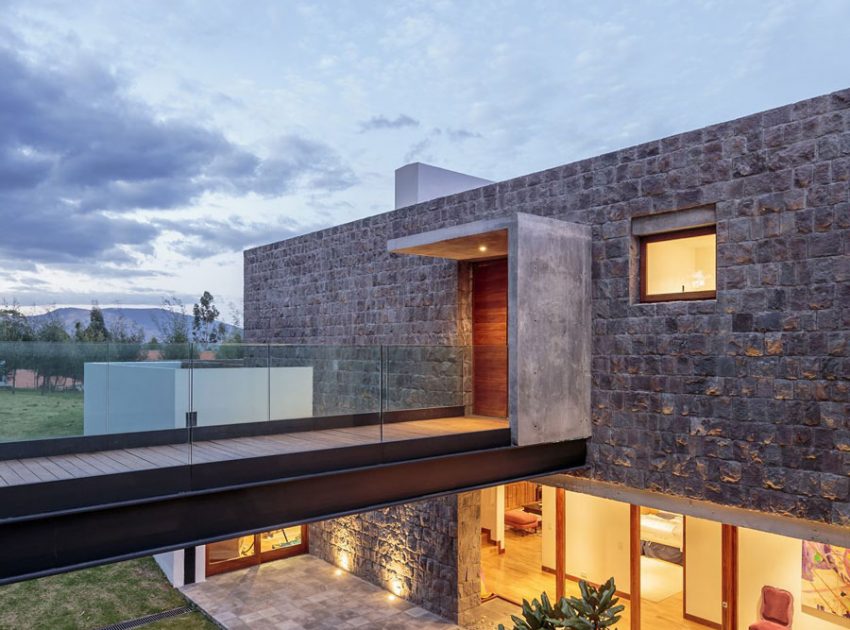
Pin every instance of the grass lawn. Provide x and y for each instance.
(96, 597)
(29, 414)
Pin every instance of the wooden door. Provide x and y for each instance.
(490, 338)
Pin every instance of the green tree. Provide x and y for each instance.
(173, 328)
(231, 347)
(15, 332)
(205, 330)
(14, 325)
(96, 331)
(51, 358)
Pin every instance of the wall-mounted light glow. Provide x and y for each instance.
(391, 597)
(482, 248)
(338, 572)
(344, 561)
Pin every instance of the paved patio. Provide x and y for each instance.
(305, 593)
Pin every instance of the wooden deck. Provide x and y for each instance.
(16, 472)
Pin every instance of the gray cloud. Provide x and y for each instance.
(459, 135)
(382, 122)
(76, 154)
(207, 236)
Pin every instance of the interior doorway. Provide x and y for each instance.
(254, 549)
(490, 338)
(512, 543)
(679, 565)
(662, 558)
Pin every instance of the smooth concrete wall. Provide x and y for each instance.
(597, 544)
(703, 569)
(549, 330)
(776, 561)
(171, 564)
(131, 397)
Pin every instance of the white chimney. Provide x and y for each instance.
(418, 182)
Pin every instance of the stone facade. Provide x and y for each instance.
(426, 552)
(742, 400)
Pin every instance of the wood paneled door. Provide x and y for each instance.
(490, 338)
(253, 549)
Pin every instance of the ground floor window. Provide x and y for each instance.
(673, 571)
(245, 551)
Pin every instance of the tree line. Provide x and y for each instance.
(57, 358)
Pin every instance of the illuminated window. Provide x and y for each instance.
(679, 265)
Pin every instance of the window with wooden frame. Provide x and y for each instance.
(679, 265)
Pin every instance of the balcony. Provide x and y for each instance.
(159, 448)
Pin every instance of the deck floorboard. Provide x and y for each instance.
(43, 469)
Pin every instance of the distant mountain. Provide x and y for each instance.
(144, 318)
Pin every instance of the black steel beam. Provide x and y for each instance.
(59, 542)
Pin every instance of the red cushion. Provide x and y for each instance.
(519, 517)
(777, 605)
(767, 625)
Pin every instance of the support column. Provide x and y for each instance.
(560, 542)
(468, 557)
(634, 564)
(729, 544)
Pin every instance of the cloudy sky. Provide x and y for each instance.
(144, 145)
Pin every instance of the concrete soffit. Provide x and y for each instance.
(782, 525)
(478, 240)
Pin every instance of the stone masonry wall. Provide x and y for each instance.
(743, 400)
(423, 551)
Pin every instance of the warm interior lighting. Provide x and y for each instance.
(338, 572)
(391, 597)
(680, 265)
(482, 248)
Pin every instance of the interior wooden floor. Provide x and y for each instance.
(54, 468)
(517, 574)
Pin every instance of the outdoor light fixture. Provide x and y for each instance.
(482, 248)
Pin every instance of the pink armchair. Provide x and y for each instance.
(777, 609)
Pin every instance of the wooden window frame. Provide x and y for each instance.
(258, 557)
(672, 236)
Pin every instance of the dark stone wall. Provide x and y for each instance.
(743, 400)
(426, 552)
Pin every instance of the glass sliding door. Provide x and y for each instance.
(253, 549)
(231, 554)
(282, 543)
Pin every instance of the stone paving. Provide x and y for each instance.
(305, 593)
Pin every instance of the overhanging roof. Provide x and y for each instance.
(479, 240)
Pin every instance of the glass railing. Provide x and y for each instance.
(58, 399)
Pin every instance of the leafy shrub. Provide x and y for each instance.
(596, 609)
